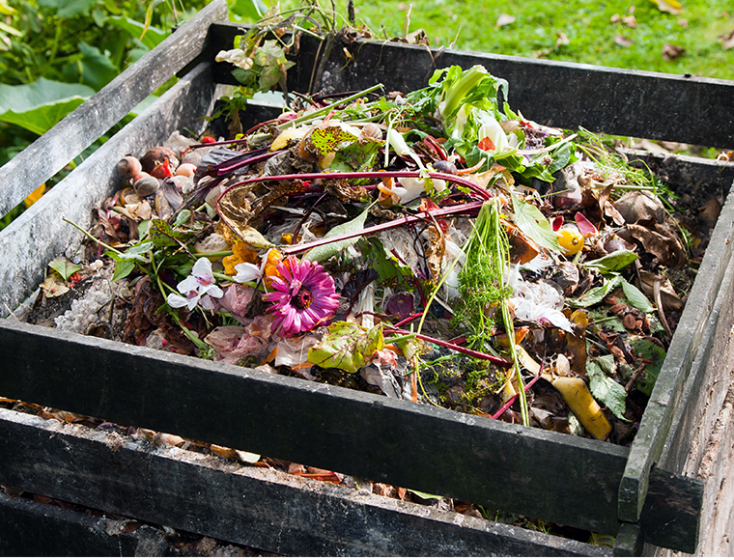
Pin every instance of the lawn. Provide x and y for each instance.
(614, 33)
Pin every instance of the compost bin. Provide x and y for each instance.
(666, 491)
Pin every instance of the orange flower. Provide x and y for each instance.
(241, 253)
(272, 260)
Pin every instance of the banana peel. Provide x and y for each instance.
(578, 398)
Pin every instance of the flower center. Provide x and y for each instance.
(303, 299)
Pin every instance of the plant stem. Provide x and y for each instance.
(512, 400)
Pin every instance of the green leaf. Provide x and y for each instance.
(68, 8)
(636, 298)
(151, 36)
(347, 346)
(606, 390)
(93, 69)
(40, 105)
(534, 224)
(123, 268)
(163, 235)
(656, 355)
(182, 218)
(595, 295)
(318, 254)
(10, 30)
(249, 9)
(425, 495)
(606, 363)
(64, 267)
(613, 261)
(356, 156)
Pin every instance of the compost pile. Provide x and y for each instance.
(433, 246)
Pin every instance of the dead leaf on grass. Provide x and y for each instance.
(623, 41)
(562, 40)
(669, 6)
(727, 40)
(671, 52)
(629, 21)
(504, 19)
(683, 22)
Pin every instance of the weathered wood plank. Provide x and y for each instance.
(667, 395)
(610, 100)
(434, 450)
(55, 149)
(255, 507)
(39, 235)
(28, 529)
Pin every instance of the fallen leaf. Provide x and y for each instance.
(683, 22)
(629, 21)
(669, 6)
(671, 52)
(54, 286)
(505, 19)
(727, 40)
(631, 9)
(623, 41)
(615, 18)
(562, 40)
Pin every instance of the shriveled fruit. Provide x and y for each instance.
(146, 185)
(128, 167)
(155, 157)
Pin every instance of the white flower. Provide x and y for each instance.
(198, 288)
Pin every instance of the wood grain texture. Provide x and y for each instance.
(39, 235)
(255, 507)
(78, 130)
(611, 100)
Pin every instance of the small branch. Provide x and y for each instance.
(659, 304)
(634, 378)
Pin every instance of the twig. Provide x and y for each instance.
(634, 378)
(659, 304)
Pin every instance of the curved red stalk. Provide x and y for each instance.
(473, 353)
(512, 400)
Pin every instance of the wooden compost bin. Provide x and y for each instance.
(667, 491)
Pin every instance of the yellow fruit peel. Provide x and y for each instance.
(578, 398)
(571, 240)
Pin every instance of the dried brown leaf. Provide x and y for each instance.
(671, 52)
(623, 41)
(504, 19)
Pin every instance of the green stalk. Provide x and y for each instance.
(457, 92)
(312, 116)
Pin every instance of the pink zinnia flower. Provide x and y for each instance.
(304, 297)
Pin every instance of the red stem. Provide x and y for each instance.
(472, 353)
(407, 320)
(458, 209)
(510, 402)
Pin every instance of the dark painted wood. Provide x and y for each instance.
(629, 541)
(611, 100)
(672, 511)
(77, 131)
(39, 235)
(255, 507)
(415, 446)
(29, 529)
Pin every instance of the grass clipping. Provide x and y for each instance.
(484, 291)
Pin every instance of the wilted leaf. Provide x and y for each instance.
(727, 40)
(595, 295)
(613, 262)
(162, 234)
(629, 21)
(562, 40)
(347, 346)
(607, 391)
(623, 41)
(64, 267)
(669, 6)
(534, 224)
(323, 252)
(53, 286)
(656, 355)
(671, 52)
(505, 19)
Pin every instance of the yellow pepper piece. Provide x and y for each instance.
(578, 398)
(571, 240)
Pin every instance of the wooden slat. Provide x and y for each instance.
(39, 235)
(528, 471)
(30, 529)
(611, 100)
(78, 130)
(668, 393)
(255, 507)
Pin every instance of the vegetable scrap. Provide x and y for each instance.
(434, 246)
